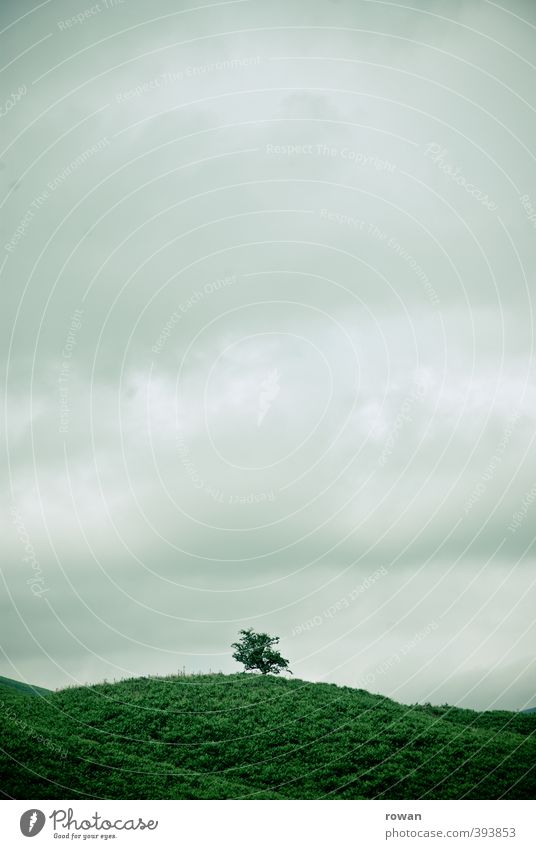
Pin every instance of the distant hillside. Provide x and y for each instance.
(247, 736)
(21, 687)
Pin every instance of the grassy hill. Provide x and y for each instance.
(21, 687)
(247, 736)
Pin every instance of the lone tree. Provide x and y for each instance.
(256, 651)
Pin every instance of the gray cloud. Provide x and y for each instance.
(267, 326)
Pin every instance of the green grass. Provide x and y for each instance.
(21, 687)
(247, 736)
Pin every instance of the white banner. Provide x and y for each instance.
(263, 825)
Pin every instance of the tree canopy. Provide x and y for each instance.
(256, 651)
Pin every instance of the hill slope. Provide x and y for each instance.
(245, 736)
(21, 687)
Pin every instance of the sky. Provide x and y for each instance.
(267, 276)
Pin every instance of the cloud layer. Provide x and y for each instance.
(267, 325)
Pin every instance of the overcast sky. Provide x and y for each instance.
(267, 275)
